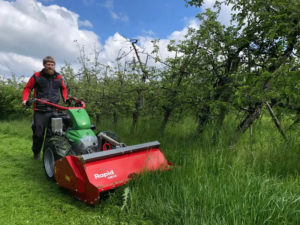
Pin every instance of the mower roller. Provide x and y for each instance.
(87, 163)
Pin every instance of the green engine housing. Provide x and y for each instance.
(81, 134)
(80, 119)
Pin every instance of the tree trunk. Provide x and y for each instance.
(135, 115)
(167, 114)
(98, 118)
(202, 119)
(220, 121)
(226, 89)
(247, 122)
(115, 115)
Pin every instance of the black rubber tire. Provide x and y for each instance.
(49, 157)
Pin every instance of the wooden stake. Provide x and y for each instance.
(276, 121)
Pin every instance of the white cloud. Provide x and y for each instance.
(225, 14)
(115, 43)
(25, 79)
(46, 1)
(114, 15)
(120, 16)
(19, 64)
(31, 31)
(85, 23)
(179, 35)
(109, 4)
(88, 2)
(149, 32)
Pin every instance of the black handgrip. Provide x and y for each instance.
(28, 103)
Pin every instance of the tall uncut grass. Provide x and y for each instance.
(210, 182)
(214, 184)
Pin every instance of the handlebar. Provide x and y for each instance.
(78, 104)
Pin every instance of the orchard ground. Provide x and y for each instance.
(210, 183)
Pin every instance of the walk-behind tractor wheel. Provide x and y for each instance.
(49, 157)
(50, 153)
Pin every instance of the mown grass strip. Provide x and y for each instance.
(28, 198)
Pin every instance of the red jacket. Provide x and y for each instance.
(46, 87)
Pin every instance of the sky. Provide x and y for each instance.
(33, 29)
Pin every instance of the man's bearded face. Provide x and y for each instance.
(49, 68)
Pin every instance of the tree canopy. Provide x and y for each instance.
(216, 70)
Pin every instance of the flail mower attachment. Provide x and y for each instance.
(87, 163)
(89, 175)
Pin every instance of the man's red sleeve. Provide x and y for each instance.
(64, 90)
(27, 89)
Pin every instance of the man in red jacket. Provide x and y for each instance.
(47, 84)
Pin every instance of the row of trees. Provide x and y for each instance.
(215, 70)
(11, 97)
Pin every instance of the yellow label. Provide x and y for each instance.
(67, 178)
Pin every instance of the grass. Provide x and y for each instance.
(28, 198)
(210, 183)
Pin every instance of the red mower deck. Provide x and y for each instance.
(89, 175)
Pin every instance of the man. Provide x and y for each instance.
(47, 84)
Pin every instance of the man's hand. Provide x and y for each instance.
(68, 101)
(24, 103)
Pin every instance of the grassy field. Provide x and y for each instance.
(210, 184)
